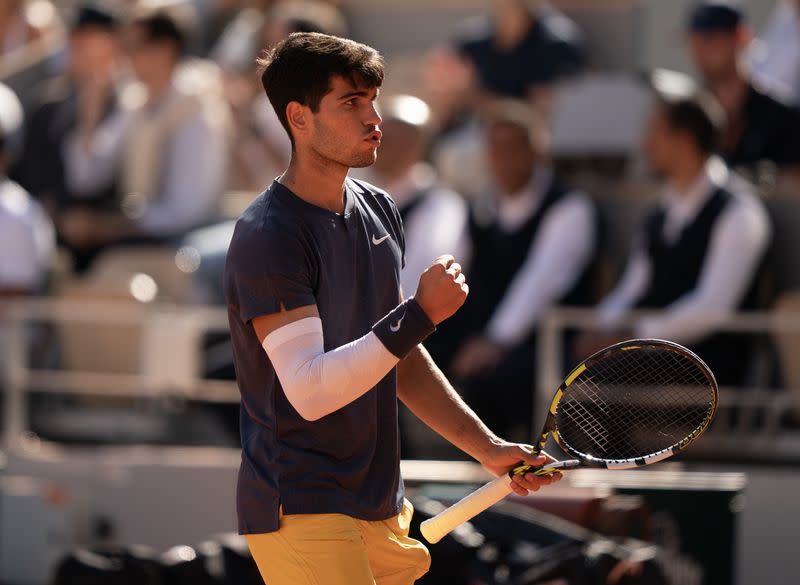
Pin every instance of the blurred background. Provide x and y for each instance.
(603, 169)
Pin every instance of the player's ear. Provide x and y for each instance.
(296, 114)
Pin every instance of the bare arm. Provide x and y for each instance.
(423, 388)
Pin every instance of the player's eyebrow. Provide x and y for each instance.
(358, 93)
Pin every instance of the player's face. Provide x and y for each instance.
(345, 129)
(511, 156)
(715, 55)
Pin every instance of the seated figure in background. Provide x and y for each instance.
(529, 248)
(172, 158)
(434, 218)
(759, 127)
(516, 52)
(699, 251)
(79, 110)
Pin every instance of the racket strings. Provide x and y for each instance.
(630, 404)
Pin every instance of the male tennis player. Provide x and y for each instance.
(312, 279)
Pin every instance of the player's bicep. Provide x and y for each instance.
(266, 324)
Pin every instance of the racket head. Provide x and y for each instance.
(632, 404)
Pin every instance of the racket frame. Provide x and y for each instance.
(549, 428)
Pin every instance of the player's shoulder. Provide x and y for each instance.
(266, 224)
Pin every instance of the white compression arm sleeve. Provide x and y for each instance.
(317, 383)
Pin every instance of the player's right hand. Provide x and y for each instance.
(442, 289)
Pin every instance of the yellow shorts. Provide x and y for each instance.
(334, 549)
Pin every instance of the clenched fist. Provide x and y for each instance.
(442, 289)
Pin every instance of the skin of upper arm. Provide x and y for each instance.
(266, 324)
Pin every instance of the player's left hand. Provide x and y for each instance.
(503, 456)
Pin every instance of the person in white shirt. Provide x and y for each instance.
(529, 248)
(434, 217)
(699, 252)
(27, 236)
(774, 58)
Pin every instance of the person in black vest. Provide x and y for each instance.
(530, 244)
(699, 251)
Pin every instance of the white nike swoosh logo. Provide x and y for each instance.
(378, 241)
(396, 327)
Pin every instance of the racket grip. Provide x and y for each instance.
(443, 523)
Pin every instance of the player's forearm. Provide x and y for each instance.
(424, 389)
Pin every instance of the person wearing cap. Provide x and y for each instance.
(78, 110)
(27, 238)
(434, 217)
(699, 251)
(760, 128)
(529, 247)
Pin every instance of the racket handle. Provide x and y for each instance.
(443, 523)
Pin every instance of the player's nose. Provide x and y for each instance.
(373, 118)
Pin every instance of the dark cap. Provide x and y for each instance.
(95, 14)
(709, 16)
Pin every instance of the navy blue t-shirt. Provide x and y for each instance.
(289, 253)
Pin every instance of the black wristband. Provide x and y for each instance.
(404, 328)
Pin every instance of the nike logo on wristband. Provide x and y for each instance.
(378, 241)
(395, 327)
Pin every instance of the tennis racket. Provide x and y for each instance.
(631, 404)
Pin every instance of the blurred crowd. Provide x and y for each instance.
(130, 125)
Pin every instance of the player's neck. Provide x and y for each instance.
(317, 181)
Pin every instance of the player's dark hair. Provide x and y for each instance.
(299, 69)
(698, 114)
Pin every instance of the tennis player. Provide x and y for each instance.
(324, 344)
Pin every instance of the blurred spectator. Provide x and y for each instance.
(172, 162)
(27, 241)
(517, 52)
(434, 218)
(529, 248)
(700, 249)
(775, 57)
(759, 128)
(80, 110)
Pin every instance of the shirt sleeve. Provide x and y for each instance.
(630, 288)
(738, 243)
(20, 262)
(270, 270)
(193, 182)
(93, 167)
(558, 255)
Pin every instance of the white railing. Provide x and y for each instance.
(169, 352)
(171, 365)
